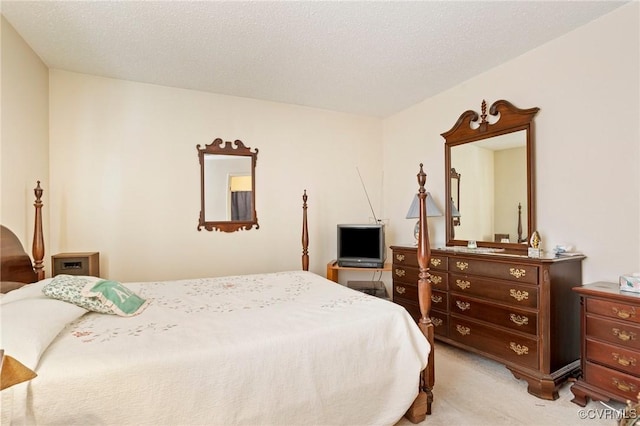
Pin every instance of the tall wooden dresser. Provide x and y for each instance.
(516, 310)
(610, 344)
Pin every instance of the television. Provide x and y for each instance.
(361, 246)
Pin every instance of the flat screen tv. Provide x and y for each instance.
(361, 246)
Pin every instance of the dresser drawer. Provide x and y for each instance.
(440, 319)
(506, 271)
(439, 280)
(405, 291)
(613, 309)
(438, 263)
(614, 356)
(508, 346)
(405, 274)
(516, 319)
(409, 275)
(410, 258)
(410, 292)
(440, 322)
(405, 258)
(625, 386)
(502, 291)
(618, 332)
(439, 300)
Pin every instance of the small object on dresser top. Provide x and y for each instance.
(569, 254)
(535, 243)
(630, 282)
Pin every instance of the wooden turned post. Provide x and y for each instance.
(38, 236)
(422, 404)
(305, 234)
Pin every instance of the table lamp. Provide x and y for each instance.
(414, 212)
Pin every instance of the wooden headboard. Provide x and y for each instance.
(15, 263)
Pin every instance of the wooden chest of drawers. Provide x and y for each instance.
(610, 344)
(514, 309)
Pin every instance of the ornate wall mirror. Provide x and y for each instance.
(497, 161)
(227, 186)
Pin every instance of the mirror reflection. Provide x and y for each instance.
(227, 186)
(496, 170)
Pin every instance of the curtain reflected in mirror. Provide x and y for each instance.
(227, 186)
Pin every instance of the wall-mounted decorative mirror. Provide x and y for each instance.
(496, 157)
(227, 186)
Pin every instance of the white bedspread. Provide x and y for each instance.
(285, 348)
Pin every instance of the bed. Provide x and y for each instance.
(279, 348)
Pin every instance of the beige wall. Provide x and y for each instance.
(24, 138)
(124, 171)
(586, 84)
(125, 177)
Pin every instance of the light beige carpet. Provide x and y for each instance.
(472, 390)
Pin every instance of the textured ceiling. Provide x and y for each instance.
(372, 57)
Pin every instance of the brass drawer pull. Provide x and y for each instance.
(437, 322)
(624, 314)
(436, 299)
(519, 319)
(463, 284)
(400, 290)
(435, 261)
(624, 386)
(623, 334)
(623, 360)
(400, 257)
(519, 295)
(400, 272)
(519, 349)
(462, 265)
(463, 330)
(518, 273)
(463, 306)
(436, 279)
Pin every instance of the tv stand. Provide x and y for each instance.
(333, 269)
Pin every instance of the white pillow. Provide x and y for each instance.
(30, 324)
(29, 290)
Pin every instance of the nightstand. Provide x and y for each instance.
(610, 344)
(85, 263)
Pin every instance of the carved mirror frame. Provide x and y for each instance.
(471, 128)
(237, 148)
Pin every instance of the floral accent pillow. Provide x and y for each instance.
(78, 289)
(116, 297)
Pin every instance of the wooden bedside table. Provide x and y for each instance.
(610, 344)
(84, 263)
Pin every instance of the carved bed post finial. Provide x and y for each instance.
(305, 234)
(38, 237)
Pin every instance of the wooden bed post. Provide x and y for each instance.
(305, 234)
(38, 237)
(422, 404)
